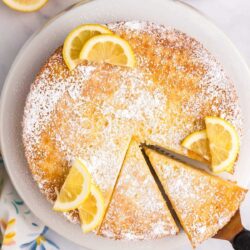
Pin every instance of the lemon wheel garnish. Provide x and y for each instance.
(197, 142)
(75, 189)
(223, 144)
(75, 40)
(25, 5)
(91, 212)
(110, 49)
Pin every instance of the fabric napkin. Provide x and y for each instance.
(19, 228)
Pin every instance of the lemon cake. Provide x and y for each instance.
(92, 111)
(203, 203)
(137, 209)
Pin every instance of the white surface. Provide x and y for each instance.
(16, 27)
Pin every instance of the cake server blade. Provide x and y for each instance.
(178, 157)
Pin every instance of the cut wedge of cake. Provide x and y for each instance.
(137, 209)
(203, 203)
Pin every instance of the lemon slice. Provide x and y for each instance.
(25, 5)
(110, 49)
(75, 189)
(92, 210)
(77, 38)
(197, 142)
(223, 144)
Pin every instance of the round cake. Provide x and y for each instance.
(92, 111)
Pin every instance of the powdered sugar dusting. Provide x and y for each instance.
(135, 25)
(44, 95)
(92, 111)
(216, 89)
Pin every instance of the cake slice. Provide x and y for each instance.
(137, 209)
(203, 203)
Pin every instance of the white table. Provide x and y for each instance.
(232, 16)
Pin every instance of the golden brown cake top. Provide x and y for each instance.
(92, 111)
(203, 203)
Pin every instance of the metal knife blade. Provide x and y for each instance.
(178, 157)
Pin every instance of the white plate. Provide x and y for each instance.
(43, 43)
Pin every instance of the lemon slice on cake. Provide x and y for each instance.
(223, 143)
(75, 40)
(110, 49)
(91, 211)
(25, 5)
(197, 142)
(75, 189)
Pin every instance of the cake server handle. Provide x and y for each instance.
(242, 240)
